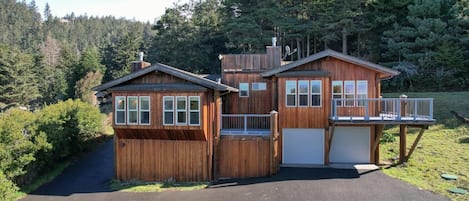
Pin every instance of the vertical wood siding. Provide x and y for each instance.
(160, 160)
(242, 157)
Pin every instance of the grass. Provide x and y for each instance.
(444, 148)
(141, 186)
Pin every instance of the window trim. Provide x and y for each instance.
(288, 93)
(341, 84)
(132, 110)
(140, 110)
(190, 110)
(120, 110)
(170, 98)
(177, 110)
(247, 89)
(300, 93)
(320, 92)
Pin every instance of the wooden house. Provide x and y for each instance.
(320, 110)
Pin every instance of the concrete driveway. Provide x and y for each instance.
(88, 178)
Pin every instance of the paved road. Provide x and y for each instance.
(87, 180)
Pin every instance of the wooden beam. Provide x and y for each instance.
(331, 133)
(379, 134)
(414, 145)
(402, 143)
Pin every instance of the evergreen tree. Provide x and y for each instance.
(118, 56)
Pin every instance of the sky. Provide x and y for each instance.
(141, 10)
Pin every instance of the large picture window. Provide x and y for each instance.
(168, 110)
(194, 110)
(303, 93)
(243, 89)
(362, 92)
(290, 93)
(132, 110)
(349, 92)
(144, 108)
(337, 91)
(316, 89)
(120, 110)
(181, 110)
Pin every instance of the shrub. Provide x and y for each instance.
(68, 126)
(8, 189)
(387, 138)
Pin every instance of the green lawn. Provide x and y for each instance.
(444, 148)
(140, 186)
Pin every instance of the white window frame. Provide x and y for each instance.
(304, 82)
(347, 102)
(315, 93)
(259, 86)
(169, 98)
(132, 110)
(287, 93)
(361, 103)
(246, 84)
(140, 110)
(338, 83)
(190, 110)
(181, 110)
(116, 109)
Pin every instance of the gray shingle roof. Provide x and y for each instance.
(331, 53)
(196, 79)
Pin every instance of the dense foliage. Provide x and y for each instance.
(34, 142)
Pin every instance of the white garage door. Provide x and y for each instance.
(350, 145)
(303, 146)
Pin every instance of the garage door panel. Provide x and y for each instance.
(350, 145)
(303, 146)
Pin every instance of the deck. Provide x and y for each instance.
(246, 124)
(398, 111)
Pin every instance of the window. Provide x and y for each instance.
(291, 93)
(349, 92)
(259, 86)
(132, 110)
(243, 89)
(303, 93)
(316, 93)
(168, 110)
(194, 110)
(144, 108)
(362, 91)
(337, 91)
(120, 110)
(181, 110)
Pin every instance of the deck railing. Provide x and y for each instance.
(245, 123)
(396, 109)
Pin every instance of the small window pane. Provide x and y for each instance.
(315, 87)
(181, 117)
(259, 86)
(144, 103)
(132, 116)
(181, 103)
(303, 100)
(291, 100)
(120, 103)
(194, 117)
(132, 103)
(291, 87)
(243, 89)
(194, 103)
(168, 104)
(168, 118)
(145, 117)
(316, 100)
(303, 86)
(120, 117)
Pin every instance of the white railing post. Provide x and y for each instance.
(415, 109)
(431, 108)
(367, 116)
(245, 123)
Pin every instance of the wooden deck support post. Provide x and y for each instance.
(378, 134)
(273, 135)
(402, 131)
(331, 133)
(414, 145)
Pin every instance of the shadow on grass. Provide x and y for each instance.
(464, 140)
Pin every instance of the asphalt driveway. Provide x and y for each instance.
(88, 180)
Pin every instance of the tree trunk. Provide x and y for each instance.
(344, 41)
(307, 45)
(298, 48)
(315, 41)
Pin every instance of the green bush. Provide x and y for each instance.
(387, 138)
(7, 188)
(68, 126)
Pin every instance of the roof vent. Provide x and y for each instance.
(140, 56)
(274, 41)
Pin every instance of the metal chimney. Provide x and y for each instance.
(274, 41)
(140, 56)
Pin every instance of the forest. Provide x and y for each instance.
(49, 64)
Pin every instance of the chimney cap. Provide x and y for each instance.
(140, 56)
